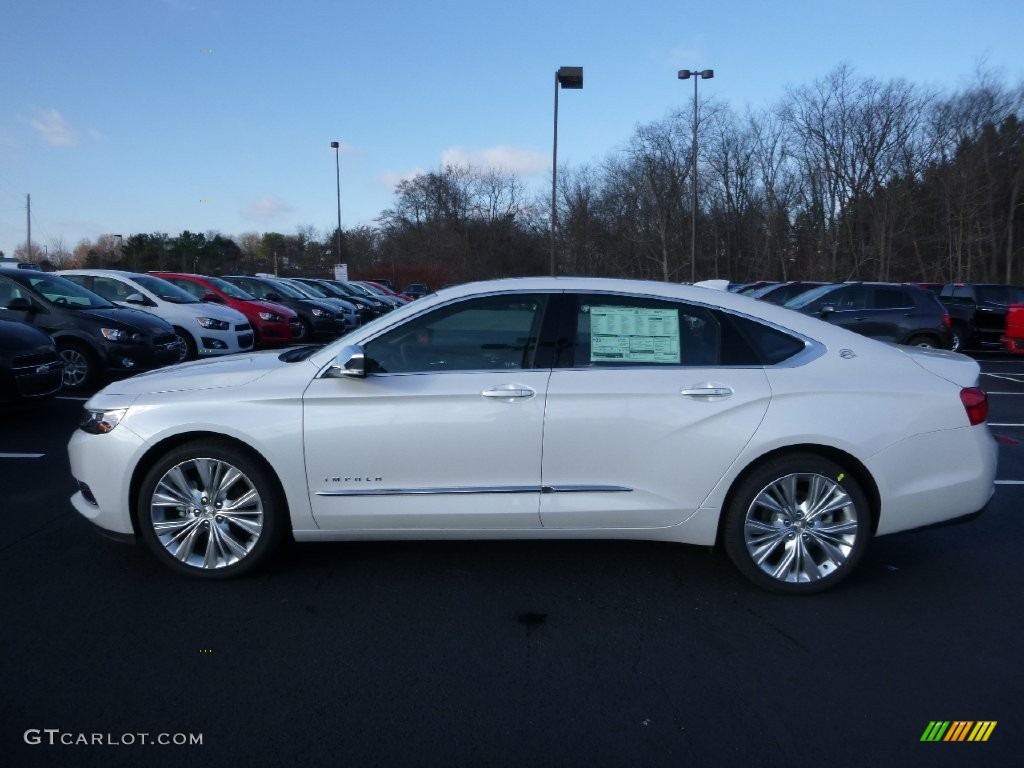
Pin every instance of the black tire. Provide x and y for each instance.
(186, 517)
(307, 330)
(776, 539)
(81, 366)
(187, 345)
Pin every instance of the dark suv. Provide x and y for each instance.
(895, 312)
(92, 335)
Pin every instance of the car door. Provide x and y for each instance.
(650, 402)
(445, 430)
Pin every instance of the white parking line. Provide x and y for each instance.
(1004, 393)
(996, 424)
(1009, 482)
(1016, 378)
(21, 455)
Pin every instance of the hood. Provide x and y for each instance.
(230, 371)
(133, 318)
(951, 366)
(216, 311)
(20, 337)
(271, 306)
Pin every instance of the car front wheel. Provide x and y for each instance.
(798, 524)
(81, 366)
(211, 510)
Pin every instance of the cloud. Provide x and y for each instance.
(267, 209)
(501, 157)
(54, 129)
(391, 179)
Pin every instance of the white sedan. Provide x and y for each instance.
(547, 408)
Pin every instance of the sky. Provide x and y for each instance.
(144, 116)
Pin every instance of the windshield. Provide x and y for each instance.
(63, 292)
(165, 290)
(230, 290)
(313, 290)
(286, 289)
(798, 302)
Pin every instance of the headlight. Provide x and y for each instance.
(212, 324)
(271, 317)
(320, 312)
(99, 422)
(116, 334)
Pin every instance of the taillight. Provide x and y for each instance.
(975, 402)
(947, 320)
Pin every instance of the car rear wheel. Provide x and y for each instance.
(81, 366)
(798, 524)
(926, 342)
(209, 509)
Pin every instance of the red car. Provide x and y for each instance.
(1014, 338)
(272, 323)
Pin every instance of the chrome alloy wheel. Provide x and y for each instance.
(206, 513)
(801, 528)
(76, 367)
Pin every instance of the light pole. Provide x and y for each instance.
(337, 170)
(686, 74)
(565, 77)
(120, 246)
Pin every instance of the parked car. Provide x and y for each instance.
(391, 302)
(548, 408)
(93, 336)
(893, 312)
(1014, 337)
(373, 286)
(979, 311)
(328, 289)
(318, 318)
(416, 290)
(30, 367)
(782, 292)
(204, 329)
(273, 324)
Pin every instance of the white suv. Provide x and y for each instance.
(203, 328)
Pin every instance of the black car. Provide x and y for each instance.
(368, 308)
(92, 335)
(894, 312)
(318, 318)
(416, 290)
(29, 364)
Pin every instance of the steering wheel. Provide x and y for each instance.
(61, 301)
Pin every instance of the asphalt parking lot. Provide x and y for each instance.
(501, 653)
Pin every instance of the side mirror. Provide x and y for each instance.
(213, 297)
(350, 363)
(826, 309)
(136, 298)
(20, 304)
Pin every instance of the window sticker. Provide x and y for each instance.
(634, 334)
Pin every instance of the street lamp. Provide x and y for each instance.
(337, 170)
(120, 247)
(565, 77)
(686, 74)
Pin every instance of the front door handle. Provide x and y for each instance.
(707, 390)
(509, 392)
